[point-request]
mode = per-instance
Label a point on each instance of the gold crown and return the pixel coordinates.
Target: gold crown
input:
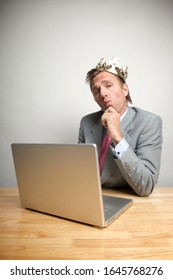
(113, 66)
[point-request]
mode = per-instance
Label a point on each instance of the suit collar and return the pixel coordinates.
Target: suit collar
(126, 122)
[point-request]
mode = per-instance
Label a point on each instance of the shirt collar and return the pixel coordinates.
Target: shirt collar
(123, 115)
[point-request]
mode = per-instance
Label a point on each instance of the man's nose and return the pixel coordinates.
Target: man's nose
(103, 92)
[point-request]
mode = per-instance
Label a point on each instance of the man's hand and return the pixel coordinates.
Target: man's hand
(111, 120)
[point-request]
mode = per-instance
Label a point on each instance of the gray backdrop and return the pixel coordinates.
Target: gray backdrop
(46, 48)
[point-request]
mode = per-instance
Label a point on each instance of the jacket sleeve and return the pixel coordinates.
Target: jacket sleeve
(140, 168)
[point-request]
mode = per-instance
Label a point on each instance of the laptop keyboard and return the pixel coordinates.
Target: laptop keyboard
(107, 207)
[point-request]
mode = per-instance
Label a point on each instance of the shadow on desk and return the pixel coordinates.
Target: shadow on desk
(125, 191)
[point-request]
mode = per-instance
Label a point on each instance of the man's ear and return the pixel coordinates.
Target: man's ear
(125, 89)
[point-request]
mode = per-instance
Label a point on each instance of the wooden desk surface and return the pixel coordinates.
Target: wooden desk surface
(144, 231)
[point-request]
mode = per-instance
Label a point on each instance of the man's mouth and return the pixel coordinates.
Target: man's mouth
(106, 102)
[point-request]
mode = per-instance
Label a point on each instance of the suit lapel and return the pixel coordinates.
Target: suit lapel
(96, 132)
(126, 124)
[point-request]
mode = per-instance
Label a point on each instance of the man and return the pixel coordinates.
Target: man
(132, 154)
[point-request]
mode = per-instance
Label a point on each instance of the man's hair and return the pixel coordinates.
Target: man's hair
(94, 72)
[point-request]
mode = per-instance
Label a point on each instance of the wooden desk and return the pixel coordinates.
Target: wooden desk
(144, 231)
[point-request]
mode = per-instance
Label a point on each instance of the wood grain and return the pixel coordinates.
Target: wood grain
(144, 231)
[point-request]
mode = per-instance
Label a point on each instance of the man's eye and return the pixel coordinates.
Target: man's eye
(96, 91)
(108, 85)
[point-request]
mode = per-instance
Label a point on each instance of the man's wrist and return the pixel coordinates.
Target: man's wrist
(120, 148)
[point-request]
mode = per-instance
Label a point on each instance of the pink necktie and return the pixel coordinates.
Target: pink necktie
(104, 150)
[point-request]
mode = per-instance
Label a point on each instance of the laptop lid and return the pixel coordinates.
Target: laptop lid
(62, 180)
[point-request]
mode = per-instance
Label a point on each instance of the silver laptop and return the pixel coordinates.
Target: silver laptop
(64, 180)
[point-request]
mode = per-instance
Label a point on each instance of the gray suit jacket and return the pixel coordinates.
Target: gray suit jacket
(139, 166)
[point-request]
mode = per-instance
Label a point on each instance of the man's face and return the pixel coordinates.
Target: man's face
(108, 91)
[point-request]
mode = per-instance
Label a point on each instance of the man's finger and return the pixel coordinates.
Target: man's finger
(110, 110)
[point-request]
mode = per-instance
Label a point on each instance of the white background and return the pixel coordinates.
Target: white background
(104, 269)
(46, 49)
